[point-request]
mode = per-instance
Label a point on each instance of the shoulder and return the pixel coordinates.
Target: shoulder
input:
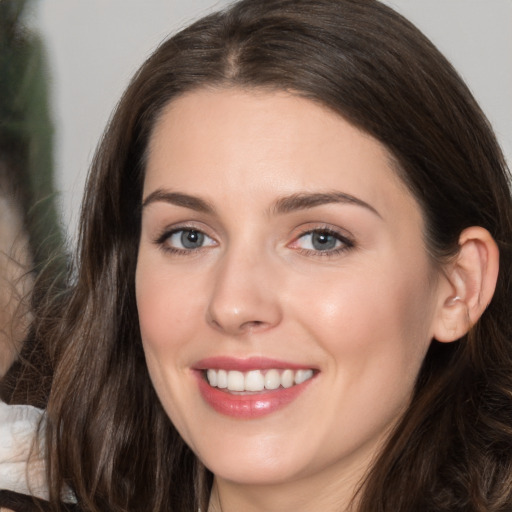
(15, 502)
(23, 485)
(21, 461)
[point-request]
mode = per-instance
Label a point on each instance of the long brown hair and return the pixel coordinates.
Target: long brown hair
(107, 434)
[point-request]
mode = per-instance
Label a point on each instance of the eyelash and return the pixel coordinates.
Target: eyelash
(162, 240)
(346, 243)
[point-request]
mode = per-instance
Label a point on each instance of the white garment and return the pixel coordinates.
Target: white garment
(21, 457)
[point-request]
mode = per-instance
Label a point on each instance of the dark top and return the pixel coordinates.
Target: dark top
(24, 503)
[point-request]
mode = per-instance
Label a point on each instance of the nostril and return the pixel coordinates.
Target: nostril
(252, 325)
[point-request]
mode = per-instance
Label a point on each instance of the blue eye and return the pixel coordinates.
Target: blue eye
(190, 239)
(186, 240)
(322, 240)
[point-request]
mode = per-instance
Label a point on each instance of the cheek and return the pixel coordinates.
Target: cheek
(168, 319)
(168, 306)
(380, 319)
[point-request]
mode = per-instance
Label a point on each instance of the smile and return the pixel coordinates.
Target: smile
(251, 388)
(256, 380)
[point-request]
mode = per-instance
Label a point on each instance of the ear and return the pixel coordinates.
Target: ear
(468, 284)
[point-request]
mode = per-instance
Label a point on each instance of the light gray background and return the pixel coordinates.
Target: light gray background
(94, 46)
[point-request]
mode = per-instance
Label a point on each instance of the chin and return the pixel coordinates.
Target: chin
(256, 461)
(258, 473)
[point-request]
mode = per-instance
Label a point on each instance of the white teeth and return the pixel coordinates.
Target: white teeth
(212, 377)
(222, 379)
(236, 381)
(256, 380)
(272, 379)
(287, 379)
(302, 376)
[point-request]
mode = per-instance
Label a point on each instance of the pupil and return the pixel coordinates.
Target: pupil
(191, 239)
(323, 241)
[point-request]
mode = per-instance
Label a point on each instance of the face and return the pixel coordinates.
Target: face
(285, 295)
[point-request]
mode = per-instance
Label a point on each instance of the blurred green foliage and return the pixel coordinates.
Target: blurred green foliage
(26, 175)
(26, 130)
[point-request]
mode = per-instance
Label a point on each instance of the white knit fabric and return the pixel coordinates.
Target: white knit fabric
(21, 461)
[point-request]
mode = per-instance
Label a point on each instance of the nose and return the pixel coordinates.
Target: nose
(245, 295)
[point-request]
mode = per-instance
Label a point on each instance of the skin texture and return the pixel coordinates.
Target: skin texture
(362, 317)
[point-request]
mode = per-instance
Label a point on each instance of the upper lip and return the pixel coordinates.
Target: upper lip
(247, 364)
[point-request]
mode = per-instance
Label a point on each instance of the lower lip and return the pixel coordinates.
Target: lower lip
(249, 406)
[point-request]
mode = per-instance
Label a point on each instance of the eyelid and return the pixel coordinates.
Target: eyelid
(161, 239)
(347, 240)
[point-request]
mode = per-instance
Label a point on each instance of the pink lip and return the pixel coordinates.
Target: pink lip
(251, 405)
(245, 365)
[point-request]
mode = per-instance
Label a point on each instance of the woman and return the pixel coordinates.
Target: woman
(288, 294)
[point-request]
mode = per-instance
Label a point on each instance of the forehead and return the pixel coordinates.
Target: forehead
(229, 141)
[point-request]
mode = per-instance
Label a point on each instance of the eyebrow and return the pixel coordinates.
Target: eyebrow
(179, 199)
(283, 205)
(305, 200)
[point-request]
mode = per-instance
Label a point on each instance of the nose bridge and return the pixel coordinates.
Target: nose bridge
(243, 297)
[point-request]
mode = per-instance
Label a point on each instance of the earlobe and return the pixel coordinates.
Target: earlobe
(470, 281)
